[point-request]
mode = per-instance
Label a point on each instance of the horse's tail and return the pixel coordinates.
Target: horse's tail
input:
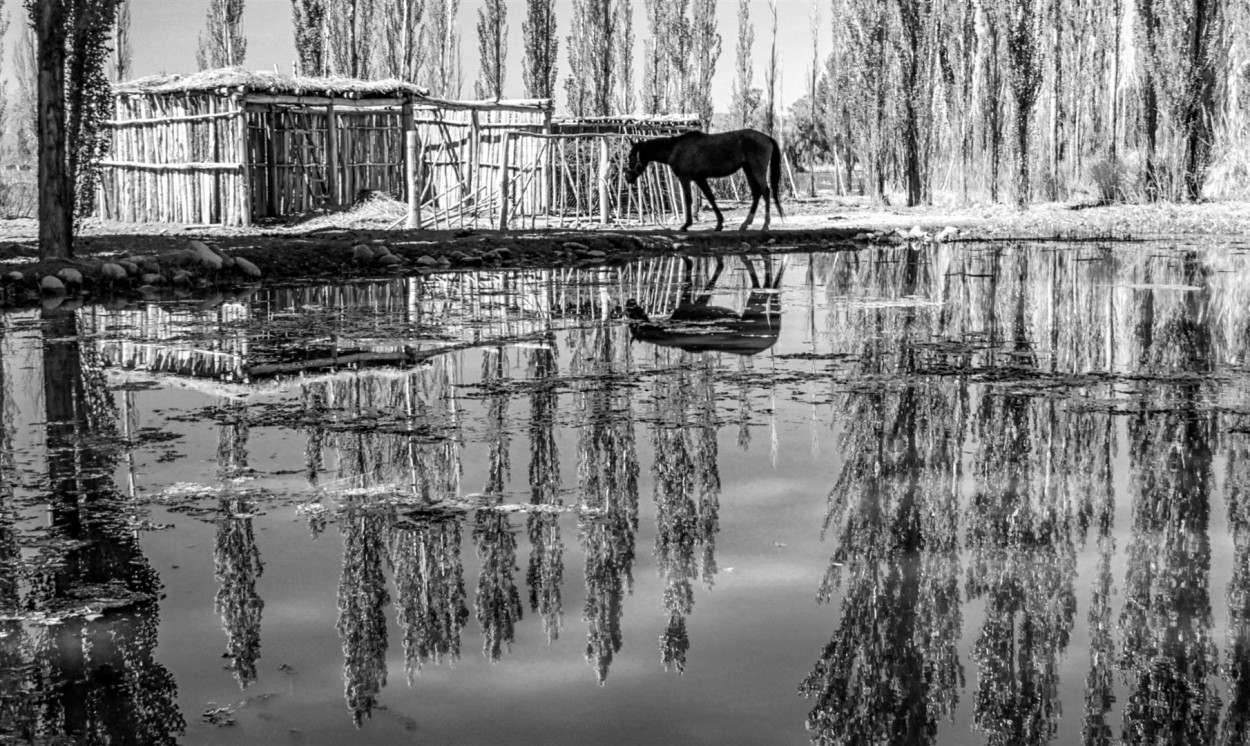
(774, 176)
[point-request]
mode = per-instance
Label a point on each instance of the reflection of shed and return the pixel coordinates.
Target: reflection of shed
(229, 145)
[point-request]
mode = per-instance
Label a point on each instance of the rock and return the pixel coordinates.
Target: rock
(246, 267)
(150, 267)
(745, 246)
(209, 259)
(574, 246)
(595, 254)
(15, 276)
(381, 251)
(149, 289)
(444, 261)
(949, 231)
(861, 237)
(183, 258)
(362, 253)
(152, 278)
(425, 260)
(113, 271)
(182, 277)
(70, 276)
(390, 260)
(131, 268)
(50, 284)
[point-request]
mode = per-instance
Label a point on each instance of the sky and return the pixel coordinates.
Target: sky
(165, 34)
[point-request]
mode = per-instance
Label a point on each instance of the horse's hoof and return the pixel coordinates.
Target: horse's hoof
(683, 228)
(720, 227)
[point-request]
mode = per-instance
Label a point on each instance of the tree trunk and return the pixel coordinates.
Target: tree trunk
(1150, 117)
(56, 216)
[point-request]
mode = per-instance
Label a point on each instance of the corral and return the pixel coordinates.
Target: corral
(231, 146)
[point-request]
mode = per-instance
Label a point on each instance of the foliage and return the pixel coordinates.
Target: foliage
(492, 40)
(441, 42)
(538, 71)
(120, 68)
(741, 107)
(398, 46)
(309, 24)
(594, 51)
(222, 43)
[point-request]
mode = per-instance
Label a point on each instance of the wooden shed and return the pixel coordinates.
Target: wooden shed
(231, 145)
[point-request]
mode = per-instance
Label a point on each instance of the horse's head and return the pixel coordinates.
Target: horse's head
(636, 163)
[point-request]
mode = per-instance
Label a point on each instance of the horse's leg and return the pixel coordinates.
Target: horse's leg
(755, 198)
(755, 279)
(685, 198)
(707, 192)
(706, 294)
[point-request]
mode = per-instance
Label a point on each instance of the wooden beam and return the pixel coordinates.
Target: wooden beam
(505, 139)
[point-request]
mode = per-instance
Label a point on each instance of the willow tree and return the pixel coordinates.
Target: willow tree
(538, 68)
(222, 43)
(74, 98)
(492, 41)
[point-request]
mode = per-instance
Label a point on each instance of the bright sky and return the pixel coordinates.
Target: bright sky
(166, 31)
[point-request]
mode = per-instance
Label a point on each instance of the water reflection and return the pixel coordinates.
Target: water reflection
(1019, 541)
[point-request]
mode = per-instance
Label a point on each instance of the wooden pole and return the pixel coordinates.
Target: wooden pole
(245, 175)
(504, 139)
(603, 180)
(332, 155)
(414, 195)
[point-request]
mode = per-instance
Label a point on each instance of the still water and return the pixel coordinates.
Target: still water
(954, 494)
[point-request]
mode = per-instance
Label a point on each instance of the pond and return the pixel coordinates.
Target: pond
(961, 493)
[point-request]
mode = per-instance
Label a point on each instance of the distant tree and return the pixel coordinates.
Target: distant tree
(350, 45)
(914, 47)
(492, 39)
(743, 73)
(222, 43)
(541, 47)
(443, 74)
(655, 71)
(25, 102)
(593, 52)
(400, 54)
(626, 98)
(119, 68)
(770, 74)
(990, 32)
(4, 83)
(309, 21)
(707, 47)
(1024, 64)
(74, 99)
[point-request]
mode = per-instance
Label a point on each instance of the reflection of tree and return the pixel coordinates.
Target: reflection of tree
(607, 467)
(1235, 728)
(1099, 681)
(429, 590)
(237, 566)
(362, 600)
(1023, 553)
(687, 495)
(497, 600)
(90, 681)
(1168, 652)
(891, 671)
(232, 440)
(546, 565)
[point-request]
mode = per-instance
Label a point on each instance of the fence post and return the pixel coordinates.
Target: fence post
(505, 138)
(603, 179)
(413, 163)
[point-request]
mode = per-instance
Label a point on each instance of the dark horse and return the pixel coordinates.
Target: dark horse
(697, 157)
(697, 326)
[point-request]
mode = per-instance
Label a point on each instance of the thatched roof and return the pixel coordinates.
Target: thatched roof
(239, 80)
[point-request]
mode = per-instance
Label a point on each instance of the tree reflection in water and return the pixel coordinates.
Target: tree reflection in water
(362, 600)
(545, 574)
(90, 680)
(1168, 653)
(498, 602)
(607, 468)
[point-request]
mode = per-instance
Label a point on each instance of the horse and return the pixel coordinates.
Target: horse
(697, 157)
(697, 326)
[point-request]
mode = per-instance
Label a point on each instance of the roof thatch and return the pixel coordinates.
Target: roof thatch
(239, 80)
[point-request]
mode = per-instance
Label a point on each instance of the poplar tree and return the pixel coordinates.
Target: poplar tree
(1024, 64)
(349, 41)
(593, 53)
(309, 22)
(626, 98)
(222, 43)
(541, 46)
(655, 73)
(770, 75)
(706, 53)
(492, 39)
(401, 54)
(743, 72)
(443, 74)
(4, 83)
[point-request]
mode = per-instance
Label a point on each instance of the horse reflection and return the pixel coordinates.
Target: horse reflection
(697, 326)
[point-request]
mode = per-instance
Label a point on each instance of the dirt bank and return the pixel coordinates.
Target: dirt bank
(159, 259)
